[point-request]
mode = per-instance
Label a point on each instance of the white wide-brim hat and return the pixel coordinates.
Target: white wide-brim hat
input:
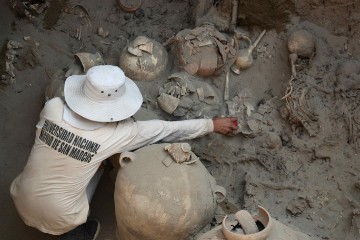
(104, 94)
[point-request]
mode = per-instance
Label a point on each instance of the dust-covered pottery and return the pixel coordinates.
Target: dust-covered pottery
(89, 60)
(143, 59)
(243, 226)
(159, 199)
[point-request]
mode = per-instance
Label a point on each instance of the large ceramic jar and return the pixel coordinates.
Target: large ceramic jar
(143, 59)
(157, 198)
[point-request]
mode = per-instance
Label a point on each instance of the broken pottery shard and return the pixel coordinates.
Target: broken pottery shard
(200, 92)
(189, 37)
(89, 60)
(168, 103)
(249, 108)
(222, 49)
(205, 43)
(180, 152)
(147, 47)
(135, 51)
(140, 40)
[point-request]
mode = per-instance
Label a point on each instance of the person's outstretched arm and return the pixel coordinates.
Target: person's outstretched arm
(152, 131)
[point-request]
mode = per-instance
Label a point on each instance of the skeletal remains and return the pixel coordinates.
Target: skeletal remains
(301, 44)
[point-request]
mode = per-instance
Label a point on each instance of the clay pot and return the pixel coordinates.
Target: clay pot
(143, 59)
(263, 217)
(203, 51)
(155, 200)
(244, 59)
(89, 60)
(129, 5)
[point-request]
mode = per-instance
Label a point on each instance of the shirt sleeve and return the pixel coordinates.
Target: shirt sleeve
(153, 131)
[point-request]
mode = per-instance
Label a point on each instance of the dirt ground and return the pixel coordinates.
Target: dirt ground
(300, 160)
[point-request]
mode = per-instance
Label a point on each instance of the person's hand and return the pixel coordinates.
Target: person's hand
(225, 125)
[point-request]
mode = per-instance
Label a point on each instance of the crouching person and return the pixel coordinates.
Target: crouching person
(55, 188)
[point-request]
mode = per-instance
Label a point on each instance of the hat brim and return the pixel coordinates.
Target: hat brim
(126, 106)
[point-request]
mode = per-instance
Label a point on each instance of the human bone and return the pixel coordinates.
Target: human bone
(244, 59)
(226, 89)
(168, 201)
(302, 43)
(293, 57)
(143, 59)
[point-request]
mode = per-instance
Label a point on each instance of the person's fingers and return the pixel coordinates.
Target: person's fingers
(233, 119)
(233, 127)
(225, 125)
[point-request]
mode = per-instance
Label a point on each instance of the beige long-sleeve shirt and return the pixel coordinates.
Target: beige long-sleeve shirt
(50, 192)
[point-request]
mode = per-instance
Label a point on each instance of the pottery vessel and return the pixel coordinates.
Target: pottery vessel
(129, 5)
(143, 59)
(159, 199)
(245, 59)
(88, 60)
(267, 228)
(204, 51)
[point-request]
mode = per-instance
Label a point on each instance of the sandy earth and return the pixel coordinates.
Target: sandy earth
(308, 182)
